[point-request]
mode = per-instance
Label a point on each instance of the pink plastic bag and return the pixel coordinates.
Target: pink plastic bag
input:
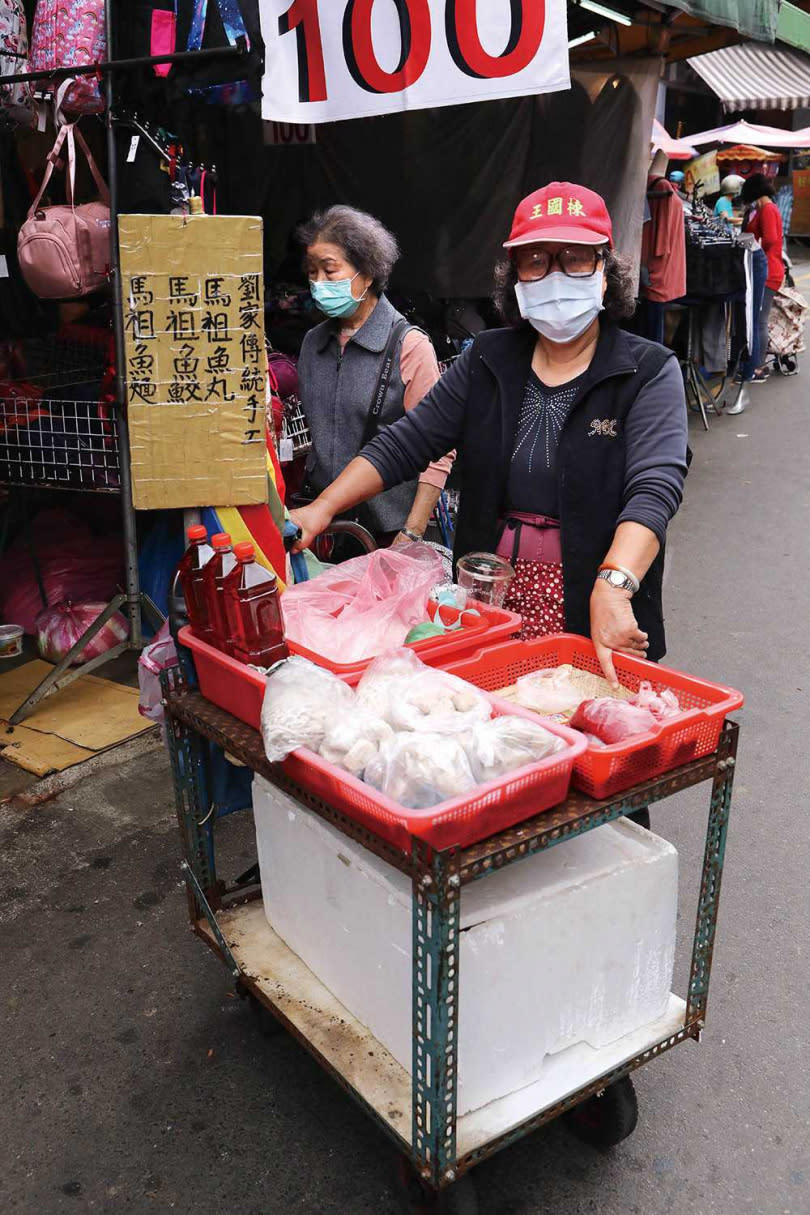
(156, 657)
(365, 606)
(73, 563)
(60, 627)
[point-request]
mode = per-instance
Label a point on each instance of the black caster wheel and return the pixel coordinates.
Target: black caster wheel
(418, 1198)
(607, 1119)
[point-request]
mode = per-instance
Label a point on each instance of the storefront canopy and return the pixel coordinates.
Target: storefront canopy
(753, 18)
(750, 133)
(675, 149)
(753, 77)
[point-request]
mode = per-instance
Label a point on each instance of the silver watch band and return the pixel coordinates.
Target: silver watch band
(617, 579)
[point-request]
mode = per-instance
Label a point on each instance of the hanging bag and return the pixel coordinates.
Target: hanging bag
(16, 100)
(71, 33)
(64, 251)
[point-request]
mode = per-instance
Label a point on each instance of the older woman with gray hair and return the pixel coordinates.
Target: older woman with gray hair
(363, 367)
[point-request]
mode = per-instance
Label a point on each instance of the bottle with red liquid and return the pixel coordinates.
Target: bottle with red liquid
(256, 633)
(191, 567)
(214, 575)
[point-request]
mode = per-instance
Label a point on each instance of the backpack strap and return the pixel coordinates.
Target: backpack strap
(398, 331)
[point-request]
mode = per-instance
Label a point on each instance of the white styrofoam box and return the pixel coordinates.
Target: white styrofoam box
(571, 945)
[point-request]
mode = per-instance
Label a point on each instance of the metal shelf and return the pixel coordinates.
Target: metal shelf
(421, 1113)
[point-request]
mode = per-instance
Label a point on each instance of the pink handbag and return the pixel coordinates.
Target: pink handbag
(64, 251)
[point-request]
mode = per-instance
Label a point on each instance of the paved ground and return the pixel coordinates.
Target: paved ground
(132, 1080)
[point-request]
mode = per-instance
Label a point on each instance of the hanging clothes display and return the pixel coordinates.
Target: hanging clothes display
(663, 244)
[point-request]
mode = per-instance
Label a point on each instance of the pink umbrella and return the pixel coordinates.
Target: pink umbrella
(675, 149)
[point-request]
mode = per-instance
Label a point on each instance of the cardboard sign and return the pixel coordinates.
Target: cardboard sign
(196, 363)
(702, 172)
(800, 216)
(327, 61)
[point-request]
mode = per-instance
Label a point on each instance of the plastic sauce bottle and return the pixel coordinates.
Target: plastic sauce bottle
(256, 633)
(214, 575)
(190, 569)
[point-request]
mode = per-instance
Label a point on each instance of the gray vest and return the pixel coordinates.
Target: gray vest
(336, 394)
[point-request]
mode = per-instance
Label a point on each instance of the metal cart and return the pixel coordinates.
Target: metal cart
(437, 1148)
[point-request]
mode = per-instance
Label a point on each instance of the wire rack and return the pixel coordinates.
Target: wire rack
(58, 444)
(54, 433)
(294, 426)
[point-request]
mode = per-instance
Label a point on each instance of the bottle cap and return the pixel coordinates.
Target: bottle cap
(243, 551)
(198, 532)
(221, 540)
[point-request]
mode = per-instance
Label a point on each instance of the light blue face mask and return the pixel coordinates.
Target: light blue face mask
(335, 298)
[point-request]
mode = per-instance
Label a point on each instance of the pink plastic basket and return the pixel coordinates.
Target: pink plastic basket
(465, 820)
(604, 771)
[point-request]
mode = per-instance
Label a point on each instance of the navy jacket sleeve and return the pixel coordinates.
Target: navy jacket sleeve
(402, 451)
(656, 433)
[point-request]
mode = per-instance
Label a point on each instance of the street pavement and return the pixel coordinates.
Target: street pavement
(133, 1080)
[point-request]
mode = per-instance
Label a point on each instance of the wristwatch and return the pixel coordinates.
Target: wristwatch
(618, 578)
(406, 531)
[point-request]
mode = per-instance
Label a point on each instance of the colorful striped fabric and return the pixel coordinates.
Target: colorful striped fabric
(260, 525)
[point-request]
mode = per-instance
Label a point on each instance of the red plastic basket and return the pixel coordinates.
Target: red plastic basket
(496, 624)
(464, 820)
(604, 771)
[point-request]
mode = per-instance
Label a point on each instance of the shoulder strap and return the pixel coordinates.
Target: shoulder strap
(53, 160)
(398, 331)
(232, 20)
(101, 184)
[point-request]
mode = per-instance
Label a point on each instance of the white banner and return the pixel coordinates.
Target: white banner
(333, 59)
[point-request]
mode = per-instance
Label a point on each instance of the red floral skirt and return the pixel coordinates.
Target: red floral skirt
(536, 591)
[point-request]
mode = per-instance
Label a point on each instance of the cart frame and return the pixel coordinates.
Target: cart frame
(437, 878)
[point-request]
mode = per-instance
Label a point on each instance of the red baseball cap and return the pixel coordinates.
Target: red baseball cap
(561, 211)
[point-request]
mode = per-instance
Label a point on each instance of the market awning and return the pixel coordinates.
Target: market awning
(749, 132)
(753, 18)
(754, 77)
(675, 149)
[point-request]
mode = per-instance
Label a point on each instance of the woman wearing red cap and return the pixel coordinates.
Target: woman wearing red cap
(572, 436)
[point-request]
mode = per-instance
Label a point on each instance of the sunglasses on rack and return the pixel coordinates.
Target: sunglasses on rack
(576, 261)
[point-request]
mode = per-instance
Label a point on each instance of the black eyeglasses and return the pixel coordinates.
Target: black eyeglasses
(577, 261)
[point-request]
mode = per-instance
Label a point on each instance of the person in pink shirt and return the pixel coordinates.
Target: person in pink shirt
(364, 367)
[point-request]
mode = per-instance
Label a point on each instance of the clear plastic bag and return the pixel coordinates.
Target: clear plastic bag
(353, 741)
(421, 770)
(661, 704)
(154, 658)
(301, 701)
(363, 607)
(411, 696)
(505, 743)
(548, 691)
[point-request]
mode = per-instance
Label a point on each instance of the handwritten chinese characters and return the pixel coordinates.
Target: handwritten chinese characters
(195, 359)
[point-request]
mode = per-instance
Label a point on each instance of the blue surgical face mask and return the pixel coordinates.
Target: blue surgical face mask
(335, 298)
(561, 307)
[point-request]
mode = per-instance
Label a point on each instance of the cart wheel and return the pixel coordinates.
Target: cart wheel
(607, 1119)
(267, 1025)
(418, 1198)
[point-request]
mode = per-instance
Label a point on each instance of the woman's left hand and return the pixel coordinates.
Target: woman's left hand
(614, 627)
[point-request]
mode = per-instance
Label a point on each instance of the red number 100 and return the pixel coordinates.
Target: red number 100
(463, 40)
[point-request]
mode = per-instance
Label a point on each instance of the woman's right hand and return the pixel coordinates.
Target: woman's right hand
(312, 519)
